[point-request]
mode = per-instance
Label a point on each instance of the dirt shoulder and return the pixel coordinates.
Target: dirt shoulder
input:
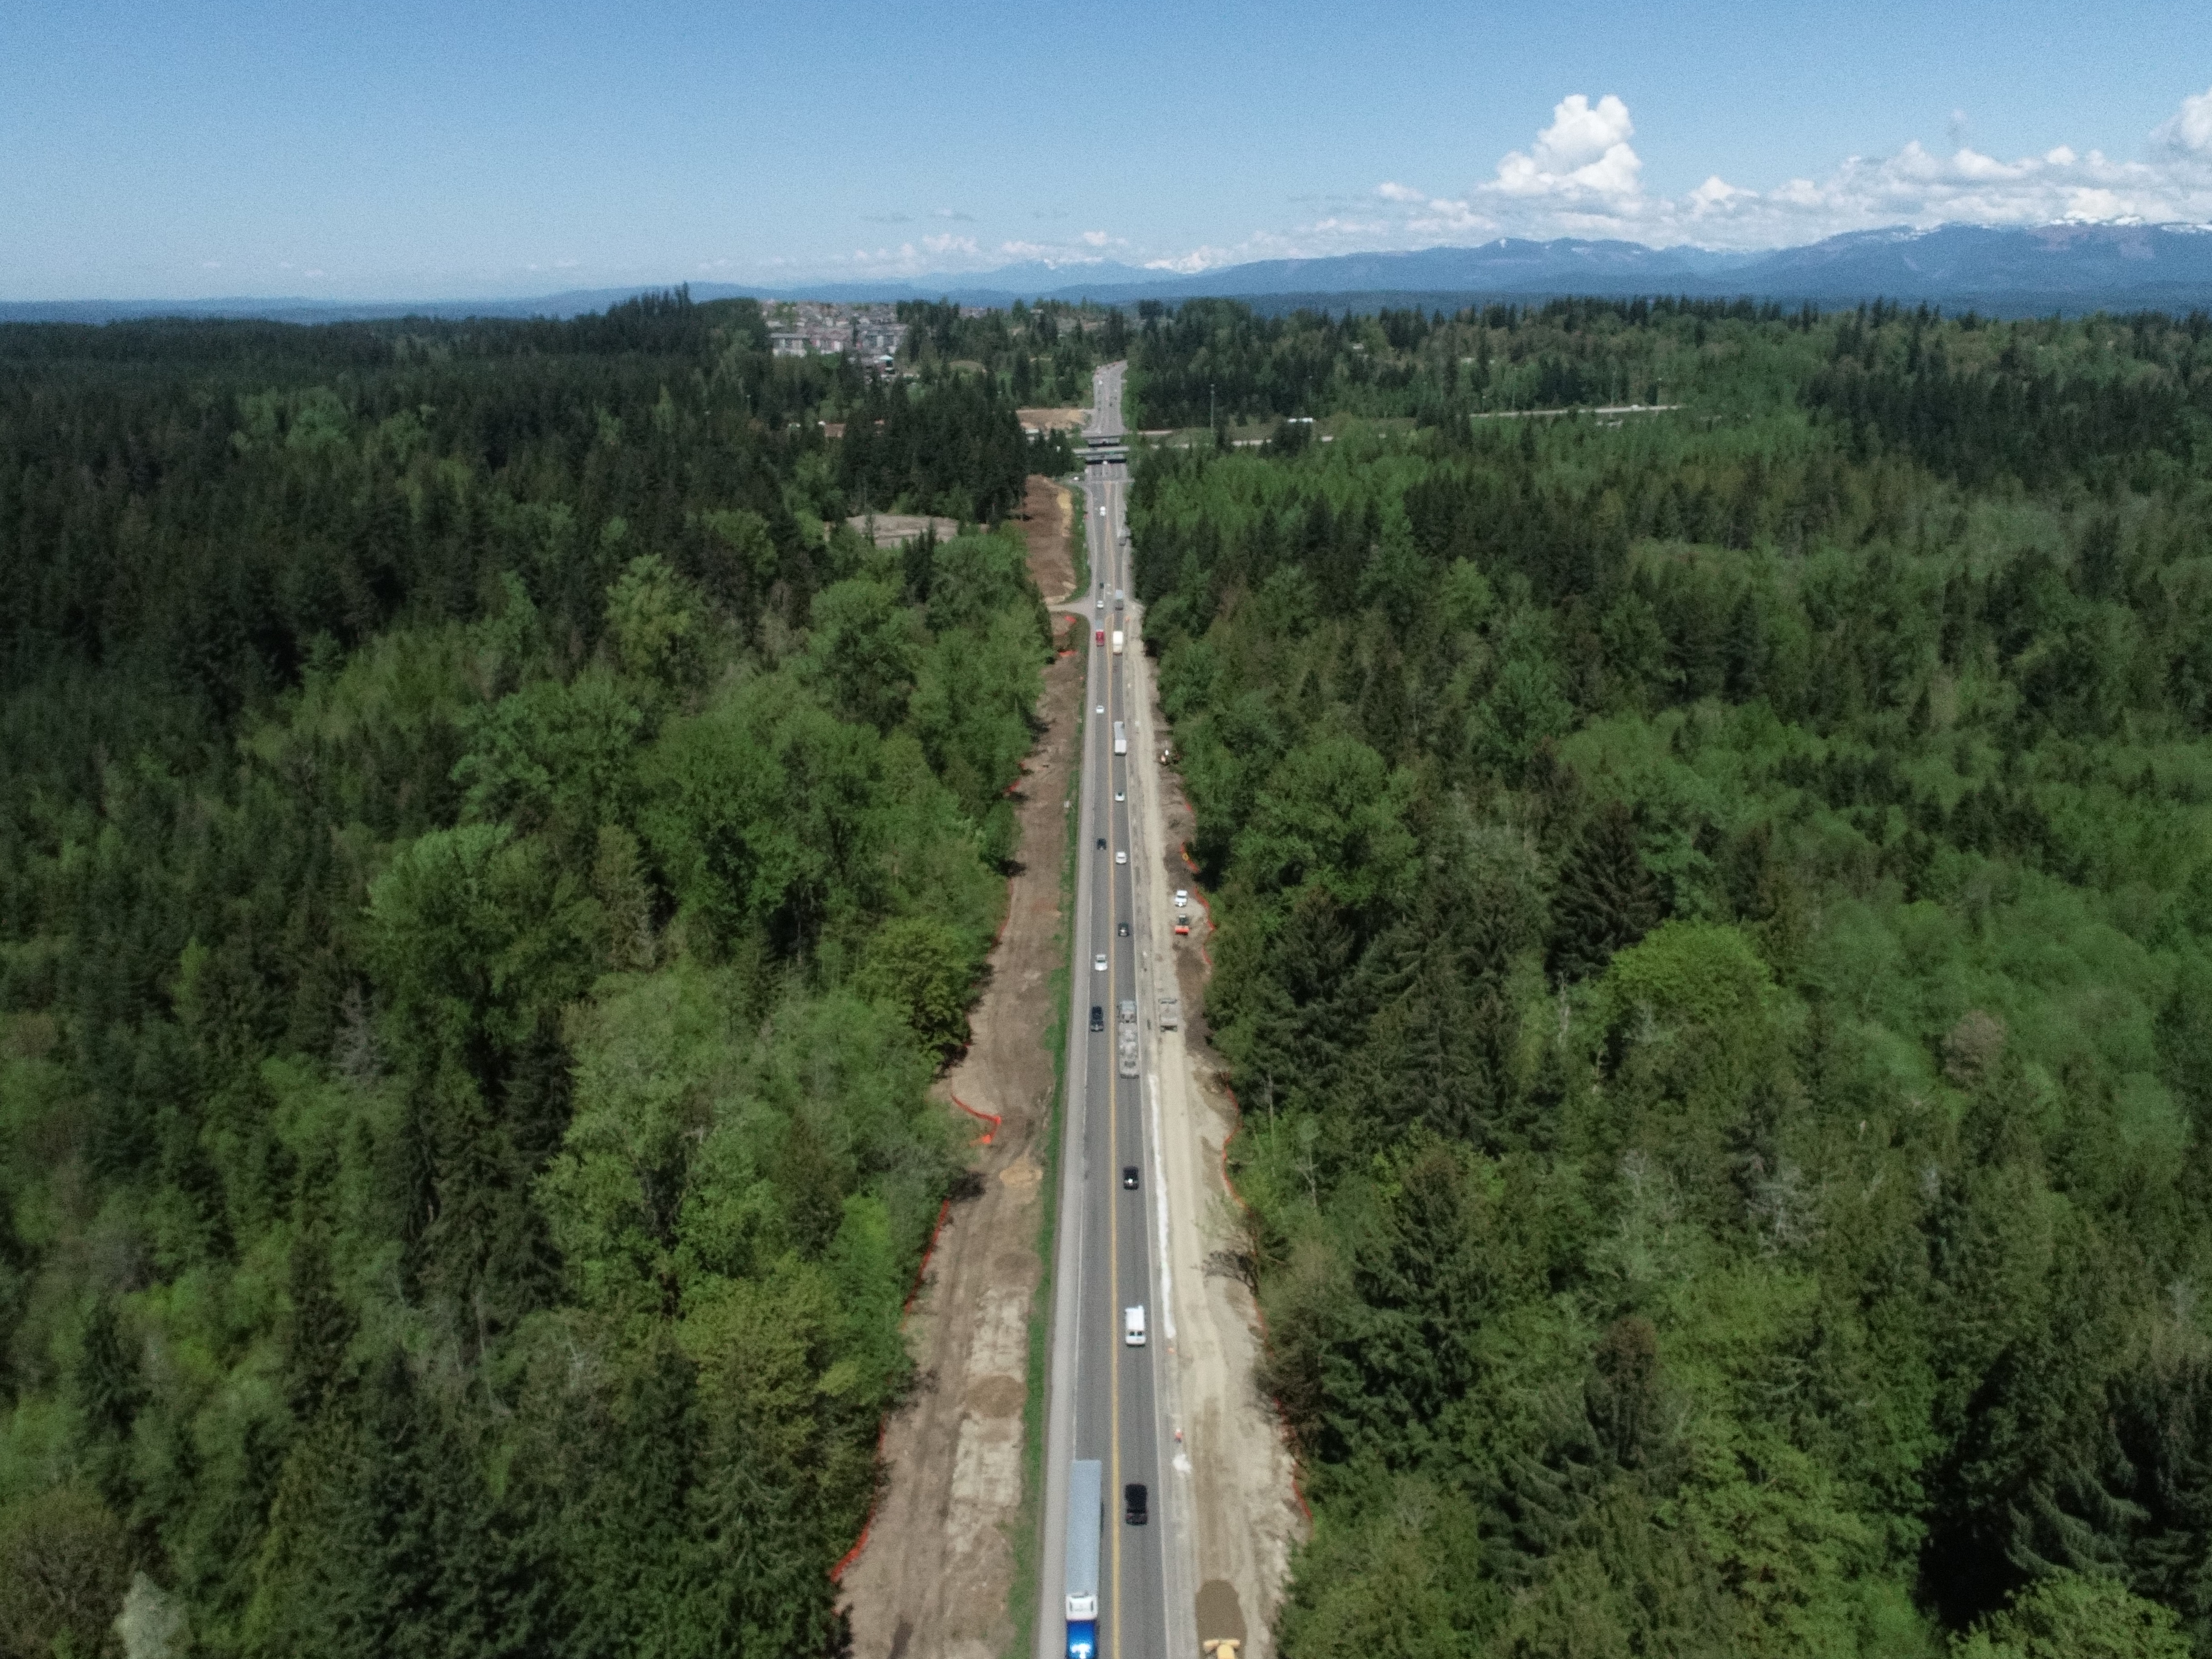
(1236, 1478)
(1047, 520)
(934, 1577)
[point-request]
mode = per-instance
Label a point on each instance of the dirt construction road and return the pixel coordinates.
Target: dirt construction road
(934, 1578)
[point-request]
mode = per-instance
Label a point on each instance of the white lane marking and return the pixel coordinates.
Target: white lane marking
(1160, 1196)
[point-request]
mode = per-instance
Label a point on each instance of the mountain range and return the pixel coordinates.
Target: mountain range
(2030, 271)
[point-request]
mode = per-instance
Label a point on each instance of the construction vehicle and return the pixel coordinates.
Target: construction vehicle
(1126, 1038)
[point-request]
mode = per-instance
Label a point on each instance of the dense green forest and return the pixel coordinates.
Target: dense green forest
(1218, 355)
(1715, 961)
(1040, 355)
(488, 863)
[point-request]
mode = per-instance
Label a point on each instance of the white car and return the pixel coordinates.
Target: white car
(1133, 1327)
(1102, 707)
(1120, 795)
(1098, 962)
(1182, 898)
(1120, 855)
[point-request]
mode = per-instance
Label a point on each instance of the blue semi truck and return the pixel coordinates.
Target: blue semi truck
(1086, 1519)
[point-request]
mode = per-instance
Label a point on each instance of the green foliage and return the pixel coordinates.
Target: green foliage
(1712, 940)
(64, 1564)
(2070, 1616)
(484, 889)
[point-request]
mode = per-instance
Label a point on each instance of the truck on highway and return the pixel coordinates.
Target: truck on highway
(1121, 736)
(1086, 1516)
(1117, 641)
(1125, 1039)
(1171, 1013)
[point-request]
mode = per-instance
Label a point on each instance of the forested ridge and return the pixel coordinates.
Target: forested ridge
(1715, 963)
(488, 864)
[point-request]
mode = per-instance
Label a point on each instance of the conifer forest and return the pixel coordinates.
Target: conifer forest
(1707, 810)
(1715, 963)
(488, 863)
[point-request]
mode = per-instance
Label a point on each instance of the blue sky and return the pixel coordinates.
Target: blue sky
(199, 148)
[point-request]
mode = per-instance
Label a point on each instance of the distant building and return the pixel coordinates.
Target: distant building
(812, 328)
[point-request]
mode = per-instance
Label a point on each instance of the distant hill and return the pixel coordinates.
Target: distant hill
(2016, 271)
(2071, 267)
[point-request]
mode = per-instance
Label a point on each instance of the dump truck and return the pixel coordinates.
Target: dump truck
(1125, 1040)
(1171, 1013)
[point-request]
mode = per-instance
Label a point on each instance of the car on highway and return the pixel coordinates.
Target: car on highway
(1102, 843)
(1133, 1327)
(1122, 930)
(1102, 602)
(1097, 1017)
(1120, 855)
(1128, 1177)
(1135, 1508)
(1120, 794)
(1182, 898)
(1098, 962)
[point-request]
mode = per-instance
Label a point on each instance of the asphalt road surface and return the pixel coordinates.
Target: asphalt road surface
(1102, 1397)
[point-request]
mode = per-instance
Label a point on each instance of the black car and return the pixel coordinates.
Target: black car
(1097, 1017)
(1129, 1178)
(1122, 929)
(1102, 843)
(1133, 1501)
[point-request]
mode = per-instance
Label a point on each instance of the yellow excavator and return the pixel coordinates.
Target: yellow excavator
(1222, 1647)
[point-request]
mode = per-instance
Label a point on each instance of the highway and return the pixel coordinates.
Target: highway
(1103, 1395)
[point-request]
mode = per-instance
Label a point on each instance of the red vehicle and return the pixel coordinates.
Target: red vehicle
(1099, 637)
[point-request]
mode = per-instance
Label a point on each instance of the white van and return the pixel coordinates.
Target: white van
(1133, 1327)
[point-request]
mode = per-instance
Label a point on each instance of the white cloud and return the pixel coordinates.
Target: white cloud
(2188, 131)
(1583, 153)
(1198, 259)
(1095, 239)
(1582, 178)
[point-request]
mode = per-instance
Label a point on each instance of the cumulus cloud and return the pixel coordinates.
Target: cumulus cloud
(1584, 152)
(2188, 131)
(1582, 177)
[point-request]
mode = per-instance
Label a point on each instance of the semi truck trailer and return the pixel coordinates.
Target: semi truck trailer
(1086, 1517)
